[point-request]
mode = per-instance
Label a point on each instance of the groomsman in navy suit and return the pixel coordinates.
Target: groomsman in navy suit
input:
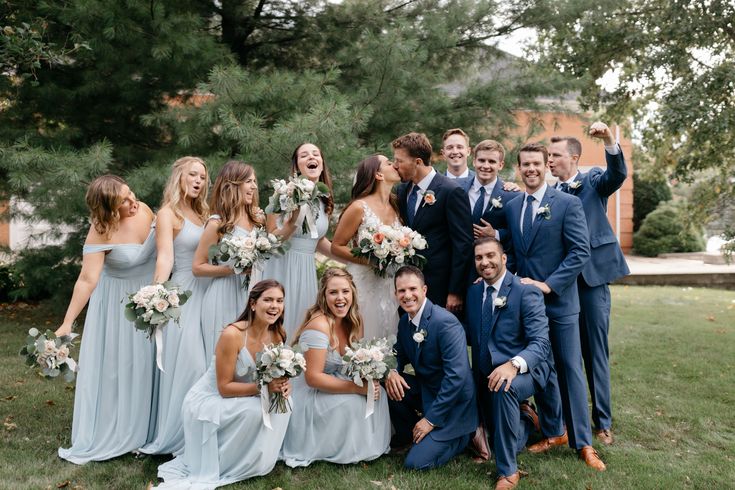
(550, 245)
(456, 151)
(434, 410)
(509, 333)
(606, 263)
(436, 207)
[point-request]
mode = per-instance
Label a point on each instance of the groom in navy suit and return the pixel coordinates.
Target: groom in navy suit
(606, 263)
(550, 245)
(435, 410)
(436, 207)
(509, 333)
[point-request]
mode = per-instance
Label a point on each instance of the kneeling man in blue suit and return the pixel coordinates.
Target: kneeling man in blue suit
(434, 410)
(509, 333)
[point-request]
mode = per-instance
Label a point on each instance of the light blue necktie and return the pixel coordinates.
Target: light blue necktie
(528, 219)
(479, 205)
(411, 204)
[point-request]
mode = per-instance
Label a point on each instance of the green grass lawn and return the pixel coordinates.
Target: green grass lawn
(673, 370)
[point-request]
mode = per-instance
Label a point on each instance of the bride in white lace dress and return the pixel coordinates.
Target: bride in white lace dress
(372, 203)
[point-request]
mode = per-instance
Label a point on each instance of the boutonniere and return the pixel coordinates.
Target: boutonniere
(575, 185)
(429, 198)
(497, 202)
(544, 211)
(419, 336)
(500, 302)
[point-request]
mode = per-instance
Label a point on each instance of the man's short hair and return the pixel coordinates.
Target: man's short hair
(574, 147)
(408, 270)
(533, 148)
(416, 144)
(450, 132)
(488, 239)
(490, 145)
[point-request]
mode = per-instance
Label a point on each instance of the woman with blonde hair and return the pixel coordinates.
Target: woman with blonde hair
(114, 388)
(235, 211)
(296, 269)
(179, 226)
(328, 423)
(226, 440)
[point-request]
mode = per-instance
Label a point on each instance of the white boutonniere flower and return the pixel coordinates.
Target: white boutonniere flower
(419, 336)
(497, 202)
(500, 302)
(575, 185)
(544, 211)
(429, 198)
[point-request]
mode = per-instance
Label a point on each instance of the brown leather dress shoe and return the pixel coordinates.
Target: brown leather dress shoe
(545, 444)
(591, 458)
(531, 413)
(508, 482)
(604, 436)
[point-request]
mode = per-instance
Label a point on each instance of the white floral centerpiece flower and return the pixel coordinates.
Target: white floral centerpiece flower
(419, 336)
(367, 361)
(500, 301)
(242, 252)
(301, 195)
(50, 354)
(544, 211)
(273, 362)
(497, 202)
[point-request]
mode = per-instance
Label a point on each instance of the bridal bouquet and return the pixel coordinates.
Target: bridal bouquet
(273, 362)
(370, 361)
(298, 193)
(389, 247)
(242, 252)
(50, 353)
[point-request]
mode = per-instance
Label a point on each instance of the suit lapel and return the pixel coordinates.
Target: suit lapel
(578, 178)
(539, 219)
(495, 194)
(433, 186)
(504, 292)
(424, 325)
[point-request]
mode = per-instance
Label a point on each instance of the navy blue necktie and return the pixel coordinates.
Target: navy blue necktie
(486, 321)
(564, 187)
(479, 206)
(528, 219)
(411, 204)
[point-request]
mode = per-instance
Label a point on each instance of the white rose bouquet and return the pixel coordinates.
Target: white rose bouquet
(370, 361)
(297, 194)
(150, 309)
(390, 247)
(50, 353)
(273, 362)
(242, 252)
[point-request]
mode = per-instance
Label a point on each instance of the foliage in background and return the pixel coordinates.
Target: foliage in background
(667, 230)
(128, 87)
(648, 191)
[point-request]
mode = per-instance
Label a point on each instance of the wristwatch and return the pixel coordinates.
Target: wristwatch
(516, 364)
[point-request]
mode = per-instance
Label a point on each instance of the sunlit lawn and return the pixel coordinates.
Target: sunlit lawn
(673, 369)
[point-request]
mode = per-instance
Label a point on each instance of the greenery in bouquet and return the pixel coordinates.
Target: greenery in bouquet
(298, 194)
(278, 361)
(241, 252)
(369, 359)
(153, 306)
(51, 354)
(389, 247)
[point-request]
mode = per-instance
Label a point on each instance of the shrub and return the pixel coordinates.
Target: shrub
(8, 281)
(648, 192)
(667, 229)
(44, 273)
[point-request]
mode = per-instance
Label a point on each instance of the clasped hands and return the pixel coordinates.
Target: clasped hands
(280, 385)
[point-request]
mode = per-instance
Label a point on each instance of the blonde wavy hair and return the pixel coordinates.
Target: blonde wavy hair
(353, 318)
(227, 198)
(104, 197)
(175, 192)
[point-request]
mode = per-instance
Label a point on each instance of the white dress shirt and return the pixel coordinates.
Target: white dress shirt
(416, 320)
(537, 196)
(423, 186)
(463, 175)
(497, 284)
(474, 192)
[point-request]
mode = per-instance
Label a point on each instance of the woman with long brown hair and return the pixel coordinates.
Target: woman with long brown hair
(296, 269)
(226, 440)
(373, 204)
(114, 388)
(235, 209)
(179, 226)
(328, 423)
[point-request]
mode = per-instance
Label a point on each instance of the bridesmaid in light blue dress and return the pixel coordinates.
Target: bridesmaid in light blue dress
(235, 211)
(226, 440)
(296, 269)
(179, 225)
(328, 423)
(114, 389)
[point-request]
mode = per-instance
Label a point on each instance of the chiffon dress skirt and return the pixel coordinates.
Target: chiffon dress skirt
(226, 440)
(183, 348)
(114, 388)
(223, 302)
(296, 270)
(332, 426)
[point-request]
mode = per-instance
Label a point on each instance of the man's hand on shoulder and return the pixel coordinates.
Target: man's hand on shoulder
(395, 385)
(511, 187)
(454, 303)
(541, 285)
